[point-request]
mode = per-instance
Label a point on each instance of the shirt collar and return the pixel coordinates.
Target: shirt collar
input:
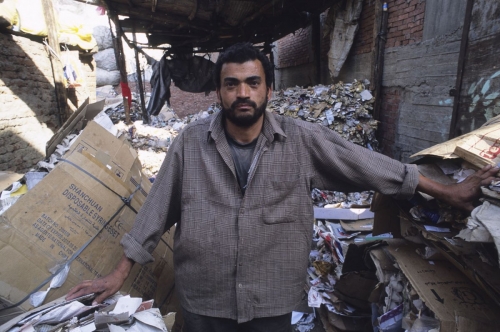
(270, 129)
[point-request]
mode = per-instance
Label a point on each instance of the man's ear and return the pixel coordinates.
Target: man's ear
(269, 93)
(217, 91)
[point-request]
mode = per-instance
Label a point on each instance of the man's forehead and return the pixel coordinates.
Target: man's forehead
(248, 68)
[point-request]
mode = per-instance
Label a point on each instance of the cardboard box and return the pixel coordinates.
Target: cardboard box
(72, 204)
(457, 302)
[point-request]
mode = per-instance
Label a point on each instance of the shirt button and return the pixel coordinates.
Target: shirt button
(242, 210)
(240, 286)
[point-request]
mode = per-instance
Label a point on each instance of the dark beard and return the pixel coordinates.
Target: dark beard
(244, 121)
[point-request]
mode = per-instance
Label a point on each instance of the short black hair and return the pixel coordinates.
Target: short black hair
(240, 53)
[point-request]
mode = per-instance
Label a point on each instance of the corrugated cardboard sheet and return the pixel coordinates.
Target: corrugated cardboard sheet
(81, 197)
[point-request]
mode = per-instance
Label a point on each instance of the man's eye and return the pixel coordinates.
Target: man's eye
(254, 83)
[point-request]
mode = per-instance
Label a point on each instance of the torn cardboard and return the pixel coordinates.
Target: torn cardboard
(445, 290)
(479, 147)
(481, 150)
(73, 203)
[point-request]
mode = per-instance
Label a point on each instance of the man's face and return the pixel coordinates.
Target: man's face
(243, 93)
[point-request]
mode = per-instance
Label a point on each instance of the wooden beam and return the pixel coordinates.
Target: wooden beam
(145, 115)
(379, 63)
(258, 12)
(159, 18)
(120, 59)
(57, 66)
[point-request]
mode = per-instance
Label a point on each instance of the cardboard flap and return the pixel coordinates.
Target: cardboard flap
(447, 149)
(74, 121)
(481, 150)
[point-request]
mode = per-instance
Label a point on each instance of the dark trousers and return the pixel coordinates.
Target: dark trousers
(199, 323)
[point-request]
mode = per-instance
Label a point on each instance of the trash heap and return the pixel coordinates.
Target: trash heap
(343, 107)
(152, 140)
(116, 314)
(337, 199)
(440, 272)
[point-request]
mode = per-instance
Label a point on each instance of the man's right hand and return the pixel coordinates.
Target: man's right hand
(106, 286)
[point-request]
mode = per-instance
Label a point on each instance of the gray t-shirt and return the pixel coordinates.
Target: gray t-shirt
(242, 158)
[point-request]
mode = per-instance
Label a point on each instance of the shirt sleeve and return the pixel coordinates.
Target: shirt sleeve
(344, 166)
(160, 211)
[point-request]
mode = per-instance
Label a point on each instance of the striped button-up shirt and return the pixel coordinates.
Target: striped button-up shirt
(245, 256)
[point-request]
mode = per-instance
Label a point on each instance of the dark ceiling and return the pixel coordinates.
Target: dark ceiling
(211, 25)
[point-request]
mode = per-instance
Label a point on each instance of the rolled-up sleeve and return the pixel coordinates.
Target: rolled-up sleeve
(161, 209)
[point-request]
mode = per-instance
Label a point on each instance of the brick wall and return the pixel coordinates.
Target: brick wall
(28, 106)
(405, 22)
(27, 102)
(294, 49)
(363, 41)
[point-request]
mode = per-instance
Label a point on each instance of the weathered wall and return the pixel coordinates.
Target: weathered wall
(419, 71)
(419, 75)
(421, 58)
(480, 93)
(28, 106)
(359, 62)
(424, 73)
(294, 58)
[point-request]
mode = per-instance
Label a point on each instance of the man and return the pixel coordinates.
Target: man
(238, 186)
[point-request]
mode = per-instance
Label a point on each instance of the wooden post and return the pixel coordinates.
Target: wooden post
(454, 129)
(120, 59)
(57, 67)
(145, 115)
(316, 45)
(378, 69)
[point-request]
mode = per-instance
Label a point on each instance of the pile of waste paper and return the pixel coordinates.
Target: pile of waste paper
(337, 199)
(438, 270)
(152, 140)
(343, 107)
(116, 314)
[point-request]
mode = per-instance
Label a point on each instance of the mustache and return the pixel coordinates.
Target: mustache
(243, 102)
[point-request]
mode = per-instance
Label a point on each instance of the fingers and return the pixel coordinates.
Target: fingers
(79, 290)
(487, 171)
(487, 174)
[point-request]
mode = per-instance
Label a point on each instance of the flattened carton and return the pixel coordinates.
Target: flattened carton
(81, 203)
(458, 303)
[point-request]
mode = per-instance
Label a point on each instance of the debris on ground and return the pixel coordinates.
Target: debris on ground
(116, 314)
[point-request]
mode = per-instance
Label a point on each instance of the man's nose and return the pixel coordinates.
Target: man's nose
(243, 91)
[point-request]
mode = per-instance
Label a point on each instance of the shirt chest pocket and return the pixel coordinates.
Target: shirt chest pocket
(282, 200)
